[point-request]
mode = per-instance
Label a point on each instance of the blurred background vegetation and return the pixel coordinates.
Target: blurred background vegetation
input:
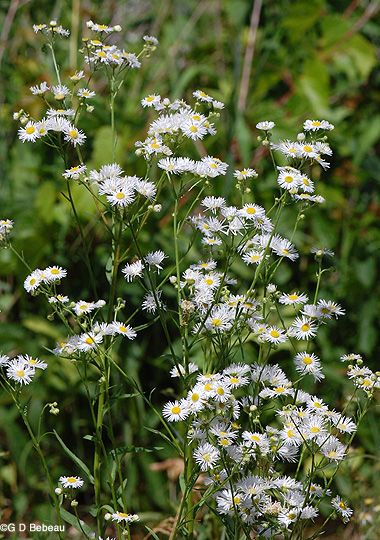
(283, 60)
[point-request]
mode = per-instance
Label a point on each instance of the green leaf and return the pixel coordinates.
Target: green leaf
(41, 326)
(152, 533)
(73, 521)
(75, 458)
(314, 83)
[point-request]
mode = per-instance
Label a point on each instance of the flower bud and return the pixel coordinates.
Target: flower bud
(74, 503)
(107, 516)
(301, 137)
(58, 491)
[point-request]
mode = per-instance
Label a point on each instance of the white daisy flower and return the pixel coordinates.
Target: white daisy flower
(89, 341)
(309, 363)
(200, 95)
(4, 360)
(60, 92)
(33, 281)
(293, 298)
(175, 411)
(252, 211)
(206, 456)
(193, 130)
(120, 196)
(19, 371)
(155, 258)
(41, 89)
(151, 100)
(122, 517)
(123, 329)
(133, 270)
(34, 363)
(29, 132)
(316, 125)
(303, 328)
(71, 482)
(266, 125)
(245, 173)
(274, 335)
(85, 93)
(74, 135)
(342, 509)
(54, 273)
(74, 172)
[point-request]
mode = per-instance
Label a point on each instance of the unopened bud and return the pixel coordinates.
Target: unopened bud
(58, 491)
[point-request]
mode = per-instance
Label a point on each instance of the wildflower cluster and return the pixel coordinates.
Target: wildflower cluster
(261, 451)
(21, 369)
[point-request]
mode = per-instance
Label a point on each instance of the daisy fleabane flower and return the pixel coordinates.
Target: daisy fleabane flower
(342, 509)
(74, 172)
(122, 517)
(20, 371)
(71, 482)
(123, 329)
(206, 456)
(293, 298)
(155, 258)
(245, 173)
(133, 270)
(175, 411)
(266, 125)
(315, 125)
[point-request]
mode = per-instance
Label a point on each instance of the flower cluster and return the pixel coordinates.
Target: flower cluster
(22, 368)
(38, 278)
(229, 453)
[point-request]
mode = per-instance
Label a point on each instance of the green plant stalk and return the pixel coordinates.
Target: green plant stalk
(38, 449)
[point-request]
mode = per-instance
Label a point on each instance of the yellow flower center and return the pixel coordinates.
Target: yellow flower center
(120, 195)
(293, 296)
(315, 429)
(216, 322)
(220, 391)
(195, 398)
(176, 409)
(274, 333)
(89, 340)
(73, 133)
(71, 480)
(305, 327)
(316, 123)
(288, 179)
(307, 148)
(307, 360)
(20, 373)
(194, 129)
(29, 130)
(251, 210)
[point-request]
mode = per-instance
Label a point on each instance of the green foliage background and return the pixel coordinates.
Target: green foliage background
(314, 58)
